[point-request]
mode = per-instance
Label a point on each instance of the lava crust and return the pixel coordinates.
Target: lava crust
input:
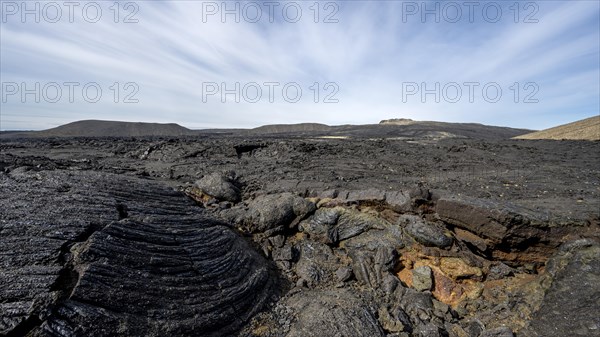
(88, 254)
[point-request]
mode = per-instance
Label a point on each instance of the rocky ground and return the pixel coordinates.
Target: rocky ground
(299, 235)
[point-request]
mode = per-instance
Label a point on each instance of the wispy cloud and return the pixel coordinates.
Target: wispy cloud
(175, 48)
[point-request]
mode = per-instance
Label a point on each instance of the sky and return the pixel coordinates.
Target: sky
(224, 64)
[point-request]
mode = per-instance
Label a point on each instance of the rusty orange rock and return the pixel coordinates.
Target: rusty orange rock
(446, 290)
(405, 275)
(457, 268)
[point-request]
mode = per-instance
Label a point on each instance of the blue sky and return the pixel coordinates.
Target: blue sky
(362, 61)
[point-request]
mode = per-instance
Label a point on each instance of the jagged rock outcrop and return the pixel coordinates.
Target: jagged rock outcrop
(573, 294)
(104, 255)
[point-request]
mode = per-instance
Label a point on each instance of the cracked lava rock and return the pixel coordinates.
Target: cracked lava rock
(299, 236)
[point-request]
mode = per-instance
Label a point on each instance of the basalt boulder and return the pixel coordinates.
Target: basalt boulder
(332, 225)
(424, 232)
(273, 212)
(221, 186)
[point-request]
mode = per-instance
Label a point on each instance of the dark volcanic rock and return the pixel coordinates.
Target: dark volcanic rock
(373, 268)
(104, 253)
(332, 313)
(425, 232)
(421, 310)
(397, 200)
(240, 149)
(498, 332)
(422, 278)
(374, 254)
(572, 303)
(505, 224)
(331, 225)
(483, 217)
(220, 186)
(120, 256)
(317, 263)
(343, 274)
(321, 225)
(271, 211)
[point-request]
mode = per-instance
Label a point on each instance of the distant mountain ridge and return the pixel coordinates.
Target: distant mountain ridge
(394, 128)
(585, 129)
(284, 128)
(101, 128)
(400, 128)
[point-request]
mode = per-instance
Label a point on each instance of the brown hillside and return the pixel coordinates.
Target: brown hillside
(587, 129)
